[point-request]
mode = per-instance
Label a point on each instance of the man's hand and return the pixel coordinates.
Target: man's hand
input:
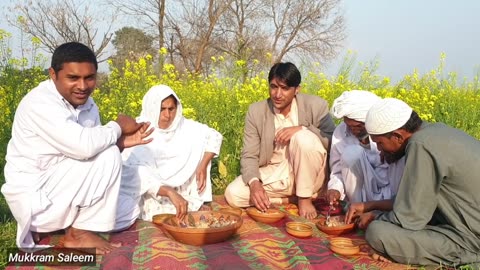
(365, 219)
(127, 124)
(354, 210)
(284, 135)
(258, 196)
(333, 196)
(136, 138)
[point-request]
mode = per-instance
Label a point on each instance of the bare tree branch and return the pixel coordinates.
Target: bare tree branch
(55, 22)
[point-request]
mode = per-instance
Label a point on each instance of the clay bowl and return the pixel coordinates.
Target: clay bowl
(299, 229)
(270, 216)
(344, 246)
(202, 227)
(334, 230)
(231, 210)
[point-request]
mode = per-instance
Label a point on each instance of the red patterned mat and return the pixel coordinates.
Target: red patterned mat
(254, 246)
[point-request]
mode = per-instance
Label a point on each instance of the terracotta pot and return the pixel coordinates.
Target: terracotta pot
(189, 232)
(270, 216)
(336, 230)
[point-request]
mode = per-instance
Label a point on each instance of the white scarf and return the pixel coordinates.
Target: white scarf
(176, 151)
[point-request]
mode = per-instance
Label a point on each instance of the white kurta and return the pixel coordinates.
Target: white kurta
(357, 171)
(171, 159)
(63, 167)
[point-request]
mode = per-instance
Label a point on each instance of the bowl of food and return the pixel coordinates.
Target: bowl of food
(202, 227)
(335, 225)
(299, 229)
(344, 246)
(272, 215)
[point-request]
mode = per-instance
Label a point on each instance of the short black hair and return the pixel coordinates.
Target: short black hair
(72, 52)
(413, 123)
(286, 72)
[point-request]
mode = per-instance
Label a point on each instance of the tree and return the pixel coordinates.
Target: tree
(311, 27)
(54, 22)
(132, 44)
(201, 23)
(151, 13)
(246, 31)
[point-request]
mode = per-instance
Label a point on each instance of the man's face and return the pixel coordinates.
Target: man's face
(75, 81)
(168, 111)
(390, 145)
(356, 127)
(282, 95)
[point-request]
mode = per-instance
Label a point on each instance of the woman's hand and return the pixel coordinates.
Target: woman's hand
(201, 171)
(181, 205)
(201, 177)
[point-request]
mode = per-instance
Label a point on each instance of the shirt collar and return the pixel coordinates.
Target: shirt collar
(53, 89)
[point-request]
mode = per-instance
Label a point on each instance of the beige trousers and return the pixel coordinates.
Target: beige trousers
(307, 159)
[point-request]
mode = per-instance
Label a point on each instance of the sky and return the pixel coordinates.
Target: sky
(403, 35)
(411, 34)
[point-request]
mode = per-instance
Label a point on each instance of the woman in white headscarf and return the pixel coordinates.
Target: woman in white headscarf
(172, 173)
(358, 170)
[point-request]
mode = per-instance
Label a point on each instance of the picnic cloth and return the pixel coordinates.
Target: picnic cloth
(254, 246)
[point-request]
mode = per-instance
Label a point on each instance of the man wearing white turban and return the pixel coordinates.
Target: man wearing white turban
(435, 216)
(172, 173)
(358, 171)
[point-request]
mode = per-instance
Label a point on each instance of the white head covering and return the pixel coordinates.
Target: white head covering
(152, 102)
(353, 104)
(175, 152)
(387, 115)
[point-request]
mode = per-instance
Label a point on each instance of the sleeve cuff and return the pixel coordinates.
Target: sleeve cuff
(116, 127)
(253, 179)
(153, 190)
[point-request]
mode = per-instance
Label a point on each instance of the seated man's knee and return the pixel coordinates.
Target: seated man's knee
(304, 139)
(377, 233)
(230, 195)
(351, 155)
(110, 157)
(237, 194)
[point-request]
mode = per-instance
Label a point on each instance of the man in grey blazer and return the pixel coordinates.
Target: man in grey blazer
(285, 146)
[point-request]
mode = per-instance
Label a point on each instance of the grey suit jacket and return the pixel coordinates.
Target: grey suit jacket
(259, 131)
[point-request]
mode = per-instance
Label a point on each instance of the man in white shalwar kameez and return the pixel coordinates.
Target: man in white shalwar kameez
(359, 172)
(63, 167)
(172, 173)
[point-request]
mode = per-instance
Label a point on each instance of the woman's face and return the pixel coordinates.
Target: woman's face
(168, 110)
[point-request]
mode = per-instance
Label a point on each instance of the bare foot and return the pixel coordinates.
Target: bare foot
(76, 238)
(378, 257)
(306, 208)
